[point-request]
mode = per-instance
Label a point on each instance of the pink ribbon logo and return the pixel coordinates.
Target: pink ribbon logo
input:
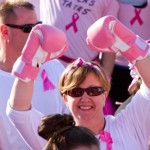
(106, 137)
(137, 17)
(75, 17)
(47, 84)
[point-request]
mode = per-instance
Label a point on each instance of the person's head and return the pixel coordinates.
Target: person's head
(62, 134)
(84, 75)
(14, 15)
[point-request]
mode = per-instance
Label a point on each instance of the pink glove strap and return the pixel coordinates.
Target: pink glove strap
(138, 51)
(33, 72)
(24, 71)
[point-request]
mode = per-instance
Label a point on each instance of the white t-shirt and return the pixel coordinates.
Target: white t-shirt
(47, 102)
(129, 130)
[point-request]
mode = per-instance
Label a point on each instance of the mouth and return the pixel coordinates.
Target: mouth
(86, 107)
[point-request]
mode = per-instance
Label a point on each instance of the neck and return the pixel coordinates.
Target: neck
(5, 68)
(6, 61)
(94, 125)
(5, 64)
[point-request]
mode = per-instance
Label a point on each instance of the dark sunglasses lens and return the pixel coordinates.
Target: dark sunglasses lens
(76, 92)
(94, 91)
(27, 29)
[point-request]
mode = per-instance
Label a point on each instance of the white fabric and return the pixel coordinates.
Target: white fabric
(48, 102)
(140, 25)
(12, 139)
(61, 14)
(36, 4)
(129, 130)
(4, 140)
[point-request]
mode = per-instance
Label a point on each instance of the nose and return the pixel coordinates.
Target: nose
(85, 97)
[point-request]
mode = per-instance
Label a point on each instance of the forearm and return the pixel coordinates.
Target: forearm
(144, 71)
(21, 95)
(108, 61)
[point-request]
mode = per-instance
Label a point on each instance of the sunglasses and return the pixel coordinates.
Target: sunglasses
(26, 28)
(91, 91)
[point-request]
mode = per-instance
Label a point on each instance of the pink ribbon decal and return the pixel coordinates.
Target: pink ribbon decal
(106, 137)
(47, 84)
(75, 17)
(137, 17)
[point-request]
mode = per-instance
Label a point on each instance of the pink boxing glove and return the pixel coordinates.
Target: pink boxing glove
(44, 43)
(110, 35)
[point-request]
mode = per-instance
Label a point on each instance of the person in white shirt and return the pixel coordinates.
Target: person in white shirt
(16, 21)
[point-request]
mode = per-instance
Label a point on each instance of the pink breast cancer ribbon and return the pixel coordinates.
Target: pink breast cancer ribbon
(47, 84)
(73, 24)
(106, 137)
(137, 17)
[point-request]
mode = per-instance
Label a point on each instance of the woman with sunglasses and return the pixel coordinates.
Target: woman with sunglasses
(84, 87)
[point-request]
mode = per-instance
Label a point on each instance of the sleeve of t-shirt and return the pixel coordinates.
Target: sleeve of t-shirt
(135, 116)
(26, 123)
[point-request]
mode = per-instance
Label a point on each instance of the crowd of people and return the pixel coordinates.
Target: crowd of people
(63, 69)
(12, 40)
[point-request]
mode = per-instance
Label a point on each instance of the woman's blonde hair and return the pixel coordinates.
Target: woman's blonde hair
(74, 75)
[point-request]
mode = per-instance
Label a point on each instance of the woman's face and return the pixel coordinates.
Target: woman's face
(86, 108)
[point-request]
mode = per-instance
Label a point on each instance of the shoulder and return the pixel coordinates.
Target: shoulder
(144, 91)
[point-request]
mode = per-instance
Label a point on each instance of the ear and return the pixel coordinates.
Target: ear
(105, 94)
(4, 31)
(65, 98)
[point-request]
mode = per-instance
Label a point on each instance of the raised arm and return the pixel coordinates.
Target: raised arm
(21, 95)
(44, 43)
(109, 35)
(143, 70)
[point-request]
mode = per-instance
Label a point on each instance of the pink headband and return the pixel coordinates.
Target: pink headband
(81, 62)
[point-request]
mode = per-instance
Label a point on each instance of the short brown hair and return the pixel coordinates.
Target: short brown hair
(7, 9)
(77, 75)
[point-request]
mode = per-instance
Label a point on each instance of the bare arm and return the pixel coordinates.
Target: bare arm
(21, 95)
(108, 61)
(36, 52)
(143, 67)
